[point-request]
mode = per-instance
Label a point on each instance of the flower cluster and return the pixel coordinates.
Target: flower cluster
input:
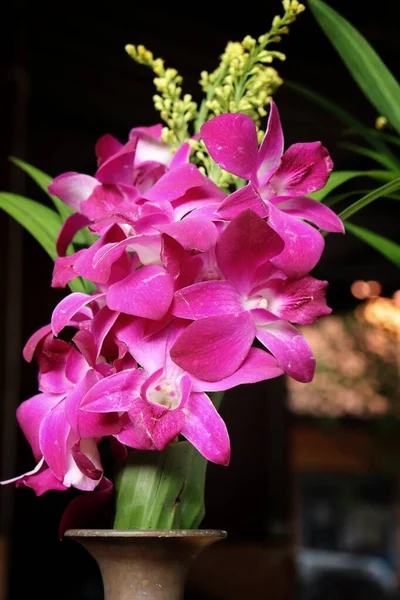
(187, 277)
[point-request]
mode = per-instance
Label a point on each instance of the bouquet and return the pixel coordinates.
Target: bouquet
(188, 254)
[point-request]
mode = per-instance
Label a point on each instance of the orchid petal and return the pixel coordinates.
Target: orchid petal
(247, 242)
(53, 436)
(106, 147)
(119, 167)
(181, 156)
(149, 351)
(115, 393)
(31, 345)
(193, 233)
(68, 307)
(175, 183)
(298, 301)
(205, 429)
(231, 140)
(73, 188)
(206, 299)
(304, 168)
(70, 227)
(303, 244)
(214, 348)
(147, 292)
(42, 482)
(245, 198)
(290, 348)
(30, 415)
(84, 469)
(257, 366)
(312, 211)
(271, 148)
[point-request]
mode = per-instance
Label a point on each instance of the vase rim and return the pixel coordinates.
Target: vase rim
(148, 533)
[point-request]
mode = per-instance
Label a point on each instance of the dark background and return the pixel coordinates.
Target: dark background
(65, 81)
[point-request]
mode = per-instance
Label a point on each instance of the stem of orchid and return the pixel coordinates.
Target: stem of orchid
(162, 490)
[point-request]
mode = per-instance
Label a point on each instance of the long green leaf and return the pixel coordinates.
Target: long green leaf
(43, 180)
(338, 178)
(42, 222)
(364, 64)
(384, 190)
(387, 247)
(345, 117)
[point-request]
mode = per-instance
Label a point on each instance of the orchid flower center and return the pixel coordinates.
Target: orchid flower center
(164, 392)
(210, 273)
(255, 302)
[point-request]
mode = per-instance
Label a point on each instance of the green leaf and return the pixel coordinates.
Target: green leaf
(41, 222)
(340, 177)
(83, 237)
(386, 247)
(384, 190)
(374, 155)
(364, 64)
(345, 117)
(43, 180)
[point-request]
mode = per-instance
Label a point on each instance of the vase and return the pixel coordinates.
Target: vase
(144, 564)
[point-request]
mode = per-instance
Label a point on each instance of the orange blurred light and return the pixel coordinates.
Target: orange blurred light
(360, 289)
(375, 288)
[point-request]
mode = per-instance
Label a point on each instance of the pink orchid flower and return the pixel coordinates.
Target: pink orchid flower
(254, 300)
(64, 439)
(170, 402)
(278, 184)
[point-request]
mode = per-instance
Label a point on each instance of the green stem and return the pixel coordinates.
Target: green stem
(162, 490)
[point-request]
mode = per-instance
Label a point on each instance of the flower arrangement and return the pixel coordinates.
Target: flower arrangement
(188, 255)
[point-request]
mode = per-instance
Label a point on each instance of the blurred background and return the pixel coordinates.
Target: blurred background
(310, 500)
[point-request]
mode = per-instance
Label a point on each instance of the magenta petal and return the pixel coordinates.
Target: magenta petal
(115, 393)
(298, 300)
(271, 148)
(245, 198)
(101, 325)
(231, 140)
(30, 415)
(257, 366)
(181, 156)
(313, 211)
(70, 227)
(175, 183)
(68, 307)
(290, 348)
(43, 482)
(147, 293)
(53, 436)
(247, 242)
(159, 423)
(303, 244)
(119, 167)
(193, 233)
(92, 510)
(172, 255)
(214, 348)
(304, 168)
(205, 429)
(35, 339)
(106, 147)
(206, 299)
(73, 188)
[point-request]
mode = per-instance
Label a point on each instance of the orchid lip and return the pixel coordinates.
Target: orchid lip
(255, 302)
(164, 392)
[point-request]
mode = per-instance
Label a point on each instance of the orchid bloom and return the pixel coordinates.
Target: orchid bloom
(64, 439)
(254, 300)
(169, 401)
(278, 184)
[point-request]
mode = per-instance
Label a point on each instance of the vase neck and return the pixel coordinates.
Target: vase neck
(145, 567)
